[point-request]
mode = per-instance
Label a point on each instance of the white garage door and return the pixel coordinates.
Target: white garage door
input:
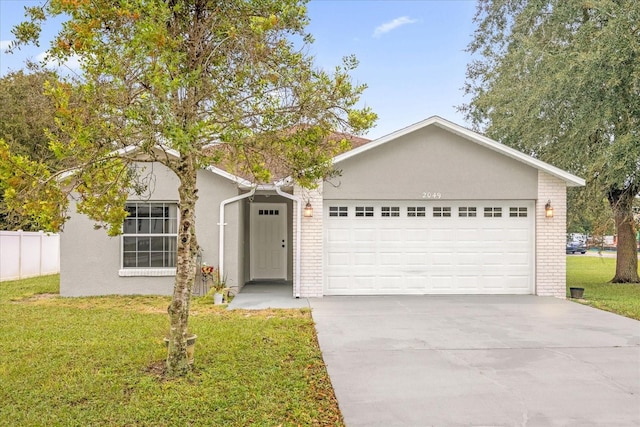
(428, 247)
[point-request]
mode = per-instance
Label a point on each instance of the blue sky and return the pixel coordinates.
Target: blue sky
(411, 53)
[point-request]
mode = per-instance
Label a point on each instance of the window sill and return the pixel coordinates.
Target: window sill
(149, 272)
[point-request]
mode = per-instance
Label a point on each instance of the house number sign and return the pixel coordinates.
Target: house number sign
(430, 195)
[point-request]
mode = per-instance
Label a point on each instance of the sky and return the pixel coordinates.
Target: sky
(412, 53)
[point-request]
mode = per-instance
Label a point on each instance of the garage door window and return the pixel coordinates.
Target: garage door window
(389, 211)
(364, 211)
(465, 212)
(415, 211)
(518, 212)
(493, 212)
(341, 211)
(441, 211)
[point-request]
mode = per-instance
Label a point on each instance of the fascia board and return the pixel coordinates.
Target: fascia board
(239, 180)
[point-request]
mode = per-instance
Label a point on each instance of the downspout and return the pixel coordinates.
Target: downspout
(222, 224)
(298, 200)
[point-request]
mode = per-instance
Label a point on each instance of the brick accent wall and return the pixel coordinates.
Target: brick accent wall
(311, 243)
(551, 260)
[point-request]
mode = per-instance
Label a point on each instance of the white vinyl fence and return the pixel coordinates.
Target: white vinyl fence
(28, 254)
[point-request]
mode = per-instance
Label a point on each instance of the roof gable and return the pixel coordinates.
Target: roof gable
(570, 179)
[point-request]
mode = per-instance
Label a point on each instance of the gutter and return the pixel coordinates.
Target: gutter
(298, 200)
(222, 224)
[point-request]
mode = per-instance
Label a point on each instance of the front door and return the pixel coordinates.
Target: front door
(268, 241)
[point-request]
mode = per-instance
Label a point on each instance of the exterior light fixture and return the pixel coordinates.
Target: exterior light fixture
(548, 210)
(308, 210)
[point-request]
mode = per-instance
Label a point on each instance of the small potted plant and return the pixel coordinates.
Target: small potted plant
(576, 293)
(218, 286)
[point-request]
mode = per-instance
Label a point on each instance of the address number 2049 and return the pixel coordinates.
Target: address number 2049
(430, 195)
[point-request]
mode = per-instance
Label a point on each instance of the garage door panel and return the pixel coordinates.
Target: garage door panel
(391, 237)
(468, 283)
(442, 237)
(364, 235)
(517, 284)
(338, 259)
(441, 282)
(494, 235)
(338, 283)
(442, 259)
(415, 235)
(389, 284)
(389, 259)
(421, 255)
(492, 258)
(365, 283)
(468, 235)
(338, 235)
(471, 259)
(519, 259)
(364, 259)
(519, 235)
(416, 282)
(415, 258)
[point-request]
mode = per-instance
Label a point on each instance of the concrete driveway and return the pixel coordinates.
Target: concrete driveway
(479, 361)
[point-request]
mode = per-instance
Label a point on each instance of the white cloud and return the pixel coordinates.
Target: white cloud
(392, 25)
(4, 44)
(72, 63)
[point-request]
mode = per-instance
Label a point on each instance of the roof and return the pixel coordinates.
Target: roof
(279, 170)
(570, 179)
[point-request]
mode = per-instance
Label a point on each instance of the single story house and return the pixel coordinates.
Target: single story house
(433, 208)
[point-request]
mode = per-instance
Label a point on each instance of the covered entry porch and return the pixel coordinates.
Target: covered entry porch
(259, 295)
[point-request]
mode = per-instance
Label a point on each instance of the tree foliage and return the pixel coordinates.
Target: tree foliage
(560, 80)
(218, 81)
(26, 114)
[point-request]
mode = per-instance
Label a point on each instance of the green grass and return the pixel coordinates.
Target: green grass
(594, 275)
(98, 361)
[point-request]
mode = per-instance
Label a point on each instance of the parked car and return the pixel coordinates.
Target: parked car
(573, 247)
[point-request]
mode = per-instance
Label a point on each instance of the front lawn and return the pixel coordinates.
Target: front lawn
(98, 361)
(593, 274)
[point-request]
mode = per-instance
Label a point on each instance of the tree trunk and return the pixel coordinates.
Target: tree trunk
(627, 252)
(177, 363)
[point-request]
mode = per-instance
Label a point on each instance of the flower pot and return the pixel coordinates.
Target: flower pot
(217, 298)
(191, 348)
(576, 292)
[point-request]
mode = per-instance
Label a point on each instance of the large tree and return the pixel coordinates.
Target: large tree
(225, 81)
(560, 80)
(26, 113)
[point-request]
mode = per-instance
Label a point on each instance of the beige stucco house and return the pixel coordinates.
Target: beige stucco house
(433, 208)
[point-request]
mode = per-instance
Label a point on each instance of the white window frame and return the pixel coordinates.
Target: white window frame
(518, 212)
(442, 212)
(467, 212)
(493, 212)
(390, 211)
(364, 211)
(416, 212)
(338, 211)
(149, 271)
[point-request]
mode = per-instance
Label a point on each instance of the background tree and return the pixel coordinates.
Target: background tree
(560, 80)
(215, 80)
(25, 115)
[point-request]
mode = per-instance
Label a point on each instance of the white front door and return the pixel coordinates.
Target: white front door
(268, 241)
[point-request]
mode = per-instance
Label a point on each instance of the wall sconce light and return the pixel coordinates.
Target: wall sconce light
(548, 210)
(308, 210)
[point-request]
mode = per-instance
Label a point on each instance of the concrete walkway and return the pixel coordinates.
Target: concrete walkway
(479, 361)
(262, 295)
